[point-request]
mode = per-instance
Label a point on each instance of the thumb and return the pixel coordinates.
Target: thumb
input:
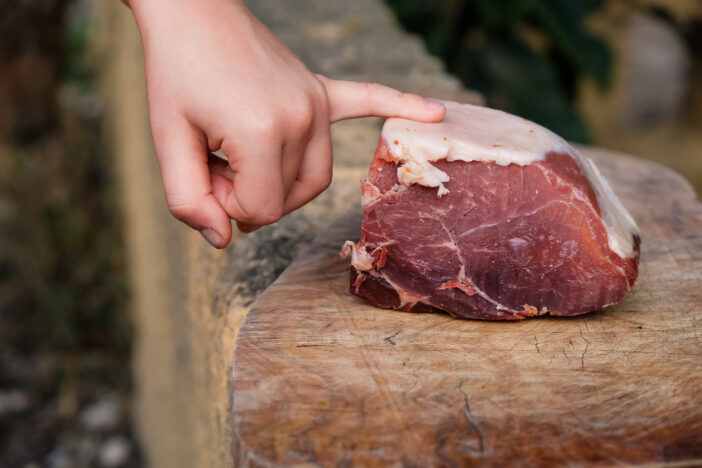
(348, 100)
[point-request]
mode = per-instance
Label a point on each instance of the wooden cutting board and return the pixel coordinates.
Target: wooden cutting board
(323, 379)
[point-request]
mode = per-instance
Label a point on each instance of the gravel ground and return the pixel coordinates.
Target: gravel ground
(64, 411)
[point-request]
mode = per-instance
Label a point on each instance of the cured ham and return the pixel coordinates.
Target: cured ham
(489, 216)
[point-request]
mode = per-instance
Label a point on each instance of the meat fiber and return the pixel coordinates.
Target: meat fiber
(489, 216)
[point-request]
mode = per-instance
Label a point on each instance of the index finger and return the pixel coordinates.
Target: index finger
(349, 100)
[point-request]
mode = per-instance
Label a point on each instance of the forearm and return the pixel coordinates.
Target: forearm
(150, 13)
(194, 34)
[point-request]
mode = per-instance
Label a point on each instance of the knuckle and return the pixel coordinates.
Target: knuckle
(376, 94)
(182, 211)
(269, 216)
(262, 213)
(323, 181)
(371, 89)
(319, 181)
(264, 127)
(303, 115)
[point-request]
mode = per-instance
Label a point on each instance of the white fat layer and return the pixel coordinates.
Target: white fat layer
(467, 133)
(619, 223)
(473, 133)
(360, 259)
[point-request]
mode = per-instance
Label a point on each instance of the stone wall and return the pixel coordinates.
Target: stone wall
(189, 300)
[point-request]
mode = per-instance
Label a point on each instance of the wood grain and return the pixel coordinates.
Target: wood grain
(323, 379)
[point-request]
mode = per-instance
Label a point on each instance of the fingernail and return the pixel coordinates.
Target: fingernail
(212, 237)
(434, 105)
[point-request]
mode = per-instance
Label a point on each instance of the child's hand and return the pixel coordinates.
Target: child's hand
(218, 79)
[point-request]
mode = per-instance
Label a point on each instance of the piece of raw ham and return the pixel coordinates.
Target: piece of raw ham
(487, 215)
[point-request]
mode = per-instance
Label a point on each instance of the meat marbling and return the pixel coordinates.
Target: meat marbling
(489, 216)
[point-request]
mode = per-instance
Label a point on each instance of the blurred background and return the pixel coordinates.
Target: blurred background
(622, 74)
(64, 332)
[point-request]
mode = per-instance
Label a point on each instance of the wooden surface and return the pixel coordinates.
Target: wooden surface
(322, 378)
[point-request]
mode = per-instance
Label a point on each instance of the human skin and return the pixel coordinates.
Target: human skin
(218, 79)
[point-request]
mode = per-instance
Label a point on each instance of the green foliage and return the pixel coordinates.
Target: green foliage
(76, 69)
(525, 56)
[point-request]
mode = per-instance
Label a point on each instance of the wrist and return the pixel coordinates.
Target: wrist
(152, 13)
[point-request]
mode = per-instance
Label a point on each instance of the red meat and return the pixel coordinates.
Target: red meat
(506, 242)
